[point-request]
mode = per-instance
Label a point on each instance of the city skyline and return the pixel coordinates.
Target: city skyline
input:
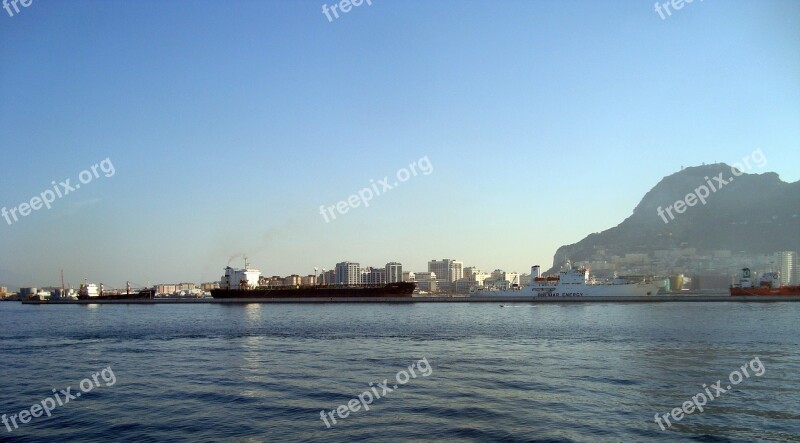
(718, 266)
(229, 142)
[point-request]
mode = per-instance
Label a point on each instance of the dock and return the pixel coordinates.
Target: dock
(437, 299)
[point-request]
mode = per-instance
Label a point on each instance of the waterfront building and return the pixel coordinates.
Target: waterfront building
(394, 272)
(796, 273)
(426, 281)
(292, 280)
(469, 271)
(447, 269)
(499, 275)
(165, 289)
(327, 277)
(373, 276)
(424, 276)
(206, 287)
(475, 275)
(275, 280)
(348, 273)
(786, 263)
(172, 288)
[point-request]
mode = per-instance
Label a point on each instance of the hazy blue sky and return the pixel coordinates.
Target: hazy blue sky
(229, 123)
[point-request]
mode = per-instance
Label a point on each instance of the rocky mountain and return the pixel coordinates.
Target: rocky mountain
(719, 208)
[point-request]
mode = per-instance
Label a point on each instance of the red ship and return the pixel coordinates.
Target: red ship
(768, 284)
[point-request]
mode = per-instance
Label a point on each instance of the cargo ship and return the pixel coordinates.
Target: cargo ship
(572, 283)
(768, 284)
(90, 291)
(240, 283)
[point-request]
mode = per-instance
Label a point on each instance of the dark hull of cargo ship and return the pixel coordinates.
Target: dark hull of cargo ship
(146, 294)
(389, 290)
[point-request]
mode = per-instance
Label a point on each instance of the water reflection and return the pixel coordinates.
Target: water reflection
(252, 313)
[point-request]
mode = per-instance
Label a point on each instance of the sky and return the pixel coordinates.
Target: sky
(229, 124)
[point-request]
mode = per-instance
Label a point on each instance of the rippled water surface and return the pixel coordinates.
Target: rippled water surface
(571, 372)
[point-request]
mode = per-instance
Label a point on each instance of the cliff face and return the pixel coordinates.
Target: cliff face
(756, 213)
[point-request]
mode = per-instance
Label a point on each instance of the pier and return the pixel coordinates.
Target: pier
(437, 299)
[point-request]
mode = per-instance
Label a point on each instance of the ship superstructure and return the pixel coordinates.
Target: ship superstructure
(573, 283)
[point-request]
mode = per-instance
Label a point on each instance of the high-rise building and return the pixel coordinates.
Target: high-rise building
(373, 276)
(348, 273)
(796, 273)
(786, 262)
(394, 272)
(447, 269)
(327, 277)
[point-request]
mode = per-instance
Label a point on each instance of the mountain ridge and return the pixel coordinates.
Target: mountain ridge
(755, 213)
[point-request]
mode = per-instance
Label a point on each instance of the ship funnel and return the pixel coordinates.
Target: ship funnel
(535, 271)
